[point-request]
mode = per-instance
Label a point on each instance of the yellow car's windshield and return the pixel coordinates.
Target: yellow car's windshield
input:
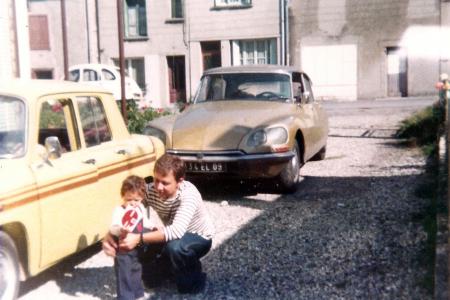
(12, 127)
(244, 86)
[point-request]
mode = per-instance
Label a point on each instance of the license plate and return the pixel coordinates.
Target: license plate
(206, 167)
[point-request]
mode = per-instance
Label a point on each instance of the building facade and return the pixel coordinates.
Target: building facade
(367, 49)
(351, 49)
(15, 50)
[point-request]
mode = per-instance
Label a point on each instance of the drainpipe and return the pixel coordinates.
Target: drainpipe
(87, 32)
(16, 40)
(286, 31)
(64, 37)
(121, 58)
(282, 33)
(97, 24)
(187, 43)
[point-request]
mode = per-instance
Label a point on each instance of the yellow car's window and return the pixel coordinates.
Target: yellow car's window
(93, 120)
(56, 118)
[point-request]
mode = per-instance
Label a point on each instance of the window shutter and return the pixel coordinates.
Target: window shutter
(38, 29)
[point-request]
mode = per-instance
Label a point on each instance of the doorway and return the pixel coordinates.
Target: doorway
(397, 72)
(177, 78)
(211, 55)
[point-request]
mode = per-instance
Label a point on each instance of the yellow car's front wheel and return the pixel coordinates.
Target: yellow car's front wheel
(9, 268)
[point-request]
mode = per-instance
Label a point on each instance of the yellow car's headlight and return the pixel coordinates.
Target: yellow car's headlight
(269, 136)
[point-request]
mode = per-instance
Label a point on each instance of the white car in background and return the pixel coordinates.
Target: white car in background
(108, 77)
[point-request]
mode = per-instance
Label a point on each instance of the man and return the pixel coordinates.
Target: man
(186, 236)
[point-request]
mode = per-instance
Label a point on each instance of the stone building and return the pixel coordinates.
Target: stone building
(351, 49)
(15, 50)
(368, 49)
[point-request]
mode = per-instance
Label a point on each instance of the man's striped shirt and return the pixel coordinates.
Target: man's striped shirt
(185, 212)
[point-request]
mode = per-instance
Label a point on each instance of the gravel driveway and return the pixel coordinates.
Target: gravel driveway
(347, 233)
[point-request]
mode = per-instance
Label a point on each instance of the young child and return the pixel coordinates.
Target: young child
(131, 216)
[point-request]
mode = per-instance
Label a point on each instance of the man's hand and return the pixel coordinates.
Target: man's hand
(109, 245)
(130, 241)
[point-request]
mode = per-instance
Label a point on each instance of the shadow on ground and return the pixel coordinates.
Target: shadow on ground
(336, 237)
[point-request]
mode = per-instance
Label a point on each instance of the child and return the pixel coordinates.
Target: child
(130, 217)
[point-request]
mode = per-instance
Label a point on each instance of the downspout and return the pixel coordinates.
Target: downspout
(286, 31)
(187, 43)
(64, 37)
(282, 37)
(97, 24)
(87, 32)
(16, 40)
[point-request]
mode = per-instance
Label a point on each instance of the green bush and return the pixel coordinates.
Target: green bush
(424, 127)
(138, 118)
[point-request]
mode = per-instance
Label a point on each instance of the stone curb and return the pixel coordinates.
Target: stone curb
(441, 266)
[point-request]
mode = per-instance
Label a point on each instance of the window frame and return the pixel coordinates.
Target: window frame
(173, 9)
(141, 13)
(241, 50)
(234, 4)
(70, 120)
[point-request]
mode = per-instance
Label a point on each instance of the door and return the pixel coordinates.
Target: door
(316, 134)
(110, 156)
(333, 68)
(65, 185)
(177, 78)
(212, 57)
(397, 70)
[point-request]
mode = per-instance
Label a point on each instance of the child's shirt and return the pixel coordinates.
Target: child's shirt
(130, 219)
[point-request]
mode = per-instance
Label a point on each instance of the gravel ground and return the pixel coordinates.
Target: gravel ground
(347, 233)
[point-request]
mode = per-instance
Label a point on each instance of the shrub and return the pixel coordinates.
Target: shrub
(424, 127)
(138, 118)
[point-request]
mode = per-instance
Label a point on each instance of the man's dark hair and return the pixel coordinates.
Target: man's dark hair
(133, 184)
(167, 163)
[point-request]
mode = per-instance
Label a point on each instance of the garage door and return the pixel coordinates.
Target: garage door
(332, 70)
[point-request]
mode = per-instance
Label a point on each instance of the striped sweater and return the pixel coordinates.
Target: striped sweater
(185, 212)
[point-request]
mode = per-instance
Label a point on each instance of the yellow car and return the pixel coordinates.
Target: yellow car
(64, 151)
(248, 122)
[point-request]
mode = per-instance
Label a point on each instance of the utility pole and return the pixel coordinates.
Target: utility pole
(121, 58)
(64, 37)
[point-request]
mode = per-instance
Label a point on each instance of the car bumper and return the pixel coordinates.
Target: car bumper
(235, 164)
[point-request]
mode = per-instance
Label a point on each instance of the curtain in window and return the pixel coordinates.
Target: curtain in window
(249, 52)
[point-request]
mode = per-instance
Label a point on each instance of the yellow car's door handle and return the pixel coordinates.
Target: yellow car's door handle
(90, 161)
(122, 151)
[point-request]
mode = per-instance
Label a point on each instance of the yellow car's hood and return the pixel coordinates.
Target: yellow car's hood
(221, 125)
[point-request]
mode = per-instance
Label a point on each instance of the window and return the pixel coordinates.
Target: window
(232, 3)
(135, 19)
(74, 75)
(253, 52)
(54, 120)
(41, 74)
(308, 94)
(177, 9)
(38, 30)
(89, 75)
(135, 68)
(248, 86)
(93, 121)
(107, 75)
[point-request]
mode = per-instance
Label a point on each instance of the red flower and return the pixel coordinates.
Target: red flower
(57, 107)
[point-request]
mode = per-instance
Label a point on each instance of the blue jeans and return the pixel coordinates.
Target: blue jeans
(180, 258)
(128, 272)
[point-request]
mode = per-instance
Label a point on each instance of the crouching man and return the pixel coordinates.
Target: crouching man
(175, 249)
